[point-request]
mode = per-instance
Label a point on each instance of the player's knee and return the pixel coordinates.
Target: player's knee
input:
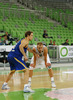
(49, 67)
(12, 72)
(30, 68)
(24, 71)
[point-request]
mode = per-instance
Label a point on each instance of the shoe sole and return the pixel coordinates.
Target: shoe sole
(29, 91)
(53, 86)
(5, 89)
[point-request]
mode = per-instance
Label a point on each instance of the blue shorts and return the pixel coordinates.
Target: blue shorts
(16, 63)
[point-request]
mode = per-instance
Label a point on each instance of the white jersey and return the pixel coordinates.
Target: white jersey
(40, 62)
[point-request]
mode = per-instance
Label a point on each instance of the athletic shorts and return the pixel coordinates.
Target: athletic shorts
(16, 63)
(40, 62)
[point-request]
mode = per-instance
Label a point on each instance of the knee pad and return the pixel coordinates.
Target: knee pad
(49, 67)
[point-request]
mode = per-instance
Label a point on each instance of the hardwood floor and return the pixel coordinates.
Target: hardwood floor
(63, 79)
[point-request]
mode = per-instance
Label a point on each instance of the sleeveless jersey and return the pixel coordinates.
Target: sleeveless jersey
(16, 51)
(40, 60)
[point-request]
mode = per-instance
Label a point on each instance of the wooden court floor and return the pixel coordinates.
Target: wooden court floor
(63, 79)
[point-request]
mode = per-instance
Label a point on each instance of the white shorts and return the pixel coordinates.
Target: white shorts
(40, 62)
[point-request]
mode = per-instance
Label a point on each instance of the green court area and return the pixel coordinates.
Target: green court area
(20, 95)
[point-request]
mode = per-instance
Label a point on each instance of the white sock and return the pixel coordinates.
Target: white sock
(29, 81)
(5, 83)
(52, 79)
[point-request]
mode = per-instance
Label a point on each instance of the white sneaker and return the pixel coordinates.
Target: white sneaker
(5, 86)
(53, 85)
(28, 89)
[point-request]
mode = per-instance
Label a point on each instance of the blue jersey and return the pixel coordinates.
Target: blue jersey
(16, 51)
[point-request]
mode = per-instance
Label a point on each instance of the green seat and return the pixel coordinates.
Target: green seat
(1, 27)
(30, 55)
(14, 43)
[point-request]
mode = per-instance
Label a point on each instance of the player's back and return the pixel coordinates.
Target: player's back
(16, 50)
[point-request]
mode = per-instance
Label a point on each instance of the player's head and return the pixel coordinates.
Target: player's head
(50, 41)
(29, 34)
(66, 40)
(6, 33)
(40, 46)
(5, 37)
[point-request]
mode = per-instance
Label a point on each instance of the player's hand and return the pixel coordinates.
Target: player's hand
(47, 64)
(25, 58)
(33, 65)
(37, 55)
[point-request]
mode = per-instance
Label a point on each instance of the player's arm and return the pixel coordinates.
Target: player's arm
(45, 57)
(34, 57)
(45, 54)
(32, 51)
(34, 60)
(21, 47)
(34, 64)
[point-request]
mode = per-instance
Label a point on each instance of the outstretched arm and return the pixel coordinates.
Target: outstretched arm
(34, 60)
(33, 51)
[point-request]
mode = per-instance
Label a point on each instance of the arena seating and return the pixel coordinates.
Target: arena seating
(17, 22)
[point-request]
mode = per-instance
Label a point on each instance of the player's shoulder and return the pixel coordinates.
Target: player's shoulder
(23, 41)
(45, 48)
(34, 48)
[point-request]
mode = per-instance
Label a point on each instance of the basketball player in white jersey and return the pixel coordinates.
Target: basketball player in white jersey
(43, 60)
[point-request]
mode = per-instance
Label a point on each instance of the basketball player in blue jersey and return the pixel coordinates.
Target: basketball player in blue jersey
(40, 62)
(15, 57)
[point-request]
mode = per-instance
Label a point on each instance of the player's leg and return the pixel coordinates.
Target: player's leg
(31, 71)
(5, 85)
(21, 65)
(26, 75)
(30, 75)
(50, 71)
(9, 76)
(27, 87)
(15, 64)
(12, 68)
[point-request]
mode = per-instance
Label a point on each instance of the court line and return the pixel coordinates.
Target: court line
(44, 75)
(32, 76)
(6, 91)
(67, 72)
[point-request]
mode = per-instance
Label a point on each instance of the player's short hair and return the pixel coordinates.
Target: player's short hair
(39, 43)
(66, 39)
(28, 33)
